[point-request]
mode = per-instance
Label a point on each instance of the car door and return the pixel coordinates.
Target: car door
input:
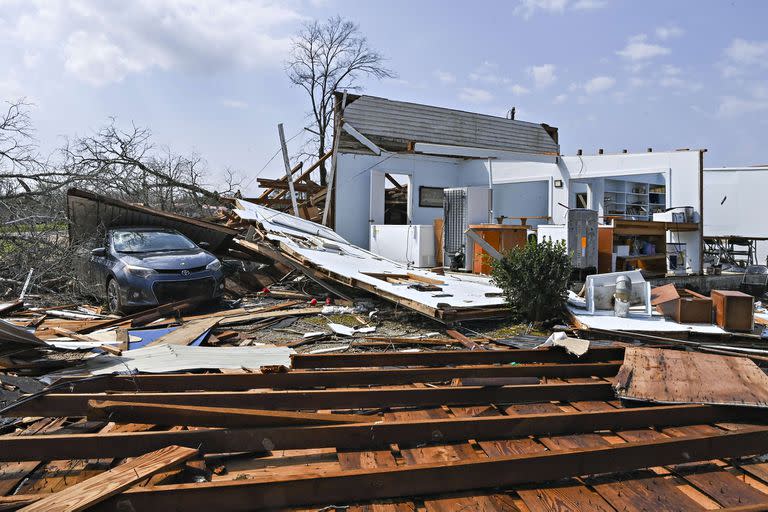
(99, 266)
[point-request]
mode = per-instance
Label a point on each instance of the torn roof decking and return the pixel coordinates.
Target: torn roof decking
(461, 297)
(499, 457)
(392, 125)
(88, 212)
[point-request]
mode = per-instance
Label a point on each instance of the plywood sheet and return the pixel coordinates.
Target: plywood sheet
(677, 377)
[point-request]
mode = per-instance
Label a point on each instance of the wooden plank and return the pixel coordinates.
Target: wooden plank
(471, 345)
(187, 333)
(727, 489)
(539, 419)
(569, 495)
(100, 487)
(76, 404)
(446, 357)
(425, 479)
(671, 376)
(269, 314)
(629, 492)
(462, 450)
(331, 378)
(212, 416)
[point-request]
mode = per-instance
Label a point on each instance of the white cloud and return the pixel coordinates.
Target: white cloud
(31, 59)
(543, 75)
(747, 52)
(97, 61)
(232, 103)
(519, 90)
(742, 57)
(638, 49)
(754, 99)
(668, 32)
(527, 8)
(445, 77)
(106, 41)
(732, 106)
(584, 5)
(599, 84)
(488, 72)
(10, 88)
(473, 95)
(560, 98)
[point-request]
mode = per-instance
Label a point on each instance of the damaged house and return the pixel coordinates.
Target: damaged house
(396, 161)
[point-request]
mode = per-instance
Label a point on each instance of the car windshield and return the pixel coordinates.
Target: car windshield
(149, 241)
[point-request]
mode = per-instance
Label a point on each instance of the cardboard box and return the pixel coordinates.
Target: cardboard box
(734, 311)
(683, 306)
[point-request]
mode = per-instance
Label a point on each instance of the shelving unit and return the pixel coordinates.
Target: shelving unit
(639, 237)
(633, 200)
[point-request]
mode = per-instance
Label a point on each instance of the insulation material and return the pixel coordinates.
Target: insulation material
(637, 322)
(174, 358)
(678, 377)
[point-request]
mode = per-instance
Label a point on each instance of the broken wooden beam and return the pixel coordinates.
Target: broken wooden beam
(441, 477)
(331, 378)
(89, 492)
(362, 436)
(187, 333)
(77, 404)
(447, 357)
(199, 416)
(468, 343)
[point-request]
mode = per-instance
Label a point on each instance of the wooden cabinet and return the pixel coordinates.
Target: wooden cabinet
(501, 237)
(734, 311)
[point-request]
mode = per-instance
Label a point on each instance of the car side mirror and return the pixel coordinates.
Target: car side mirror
(99, 252)
(204, 245)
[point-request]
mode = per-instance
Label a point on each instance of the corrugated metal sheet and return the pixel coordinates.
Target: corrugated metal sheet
(393, 124)
(89, 212)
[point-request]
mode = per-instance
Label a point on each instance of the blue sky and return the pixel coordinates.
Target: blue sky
(207, 75)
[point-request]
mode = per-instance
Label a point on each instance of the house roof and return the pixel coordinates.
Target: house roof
(394, 125)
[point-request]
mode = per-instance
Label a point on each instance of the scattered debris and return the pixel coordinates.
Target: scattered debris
(575, 346)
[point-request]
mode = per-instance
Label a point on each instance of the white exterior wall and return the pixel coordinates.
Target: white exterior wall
(734, 199)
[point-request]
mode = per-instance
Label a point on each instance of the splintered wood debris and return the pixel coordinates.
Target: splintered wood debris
(378, 431)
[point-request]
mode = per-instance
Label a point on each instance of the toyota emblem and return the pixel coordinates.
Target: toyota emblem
(185, 272)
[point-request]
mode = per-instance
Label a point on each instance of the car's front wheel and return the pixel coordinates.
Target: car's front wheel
(114, 300)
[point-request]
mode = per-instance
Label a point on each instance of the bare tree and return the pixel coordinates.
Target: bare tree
(326, 57)
(121, 163)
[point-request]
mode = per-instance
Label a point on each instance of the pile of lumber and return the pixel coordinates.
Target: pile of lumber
(444, 430)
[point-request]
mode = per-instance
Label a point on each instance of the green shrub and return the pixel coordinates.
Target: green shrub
(534, 279)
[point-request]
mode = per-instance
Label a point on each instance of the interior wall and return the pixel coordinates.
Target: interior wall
(527, 199)
(683, 188)
(352, 194)
(353, 188)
